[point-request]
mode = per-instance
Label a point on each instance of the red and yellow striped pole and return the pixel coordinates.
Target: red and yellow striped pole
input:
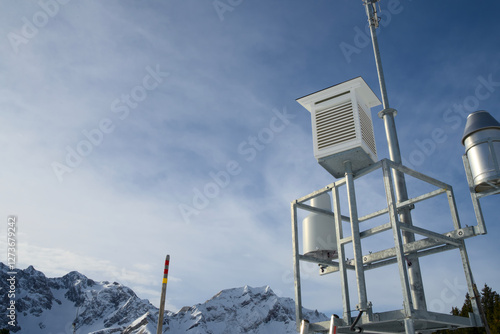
(163, 293)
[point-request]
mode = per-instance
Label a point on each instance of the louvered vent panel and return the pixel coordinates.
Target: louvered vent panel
(367, 129)
(342, 126)
(335, 125)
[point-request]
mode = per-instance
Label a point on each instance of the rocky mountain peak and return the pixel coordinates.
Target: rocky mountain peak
(53, 305)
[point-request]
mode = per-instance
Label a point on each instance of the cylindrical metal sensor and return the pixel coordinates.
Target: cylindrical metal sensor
(482, 146)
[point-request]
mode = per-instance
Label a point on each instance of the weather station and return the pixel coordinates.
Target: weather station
(344, 145)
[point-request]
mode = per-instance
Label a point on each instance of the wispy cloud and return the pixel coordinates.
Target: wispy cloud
(116, 214)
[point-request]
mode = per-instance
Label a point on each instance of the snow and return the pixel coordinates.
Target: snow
(58, 320)
(107, 308)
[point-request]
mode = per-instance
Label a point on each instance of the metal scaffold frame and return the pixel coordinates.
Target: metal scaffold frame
(409, 319)
(475, 196)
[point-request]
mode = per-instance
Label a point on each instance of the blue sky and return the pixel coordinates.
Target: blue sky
(117, 115)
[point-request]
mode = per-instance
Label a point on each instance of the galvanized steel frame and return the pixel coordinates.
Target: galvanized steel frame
(481, 226)
(433, 243)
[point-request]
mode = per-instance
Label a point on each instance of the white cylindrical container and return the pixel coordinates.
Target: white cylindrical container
(482, 147)
(319, 237)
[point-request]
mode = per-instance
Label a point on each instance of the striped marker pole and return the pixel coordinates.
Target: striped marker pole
(163, 292)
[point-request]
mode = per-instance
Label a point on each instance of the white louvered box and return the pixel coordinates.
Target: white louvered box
(342, 125)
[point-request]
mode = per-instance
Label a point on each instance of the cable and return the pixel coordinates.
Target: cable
(353, 326)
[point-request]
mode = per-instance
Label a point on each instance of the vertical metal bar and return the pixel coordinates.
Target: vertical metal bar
(333, 325)
(159, 328)
(356, 239)
(479, 229)
(470, 281)
(304, 327)
(346, 304)
(296, 266)
(409, 327)
(453, 209)
(373, 22)
(477, 297)
(387, 115)
(398, 242)
(481, 226)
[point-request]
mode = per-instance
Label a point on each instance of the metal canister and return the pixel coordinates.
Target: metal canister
(482, 146)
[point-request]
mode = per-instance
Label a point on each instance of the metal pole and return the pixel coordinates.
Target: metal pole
(398, 242)
(481, 227)
(346, 304)
(163, 293)
(333, 325)
(356, 239)
(409, 328)
(475, 299)
(304, 327)
(373, 22)
(387, 115)
(296, 266)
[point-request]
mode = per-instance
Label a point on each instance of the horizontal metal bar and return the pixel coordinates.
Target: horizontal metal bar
(330, 270)
(403, 204)
(418, 254)
(463, 233)
(419, 245)
(314, 209)
(321, 211)
(314, 194)
(381, 264)
(491, 191)
(408, 248)
(373, 215)
(339, 183)
(345, 240)
(323, 326)
(375, 230)
(359, 174)
(318, 261)
(376, 166)
(368, 170)
(369, 232)
(443, 318)
(419, 175)
(389, 315)
(333, 269)
(430, 234)
(393, 322)
(421, 197)
(436, 250)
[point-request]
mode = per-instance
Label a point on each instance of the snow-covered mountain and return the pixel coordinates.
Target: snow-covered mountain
(53, 305)
(240, 310)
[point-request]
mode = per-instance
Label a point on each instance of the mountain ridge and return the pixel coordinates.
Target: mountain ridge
(53, 305)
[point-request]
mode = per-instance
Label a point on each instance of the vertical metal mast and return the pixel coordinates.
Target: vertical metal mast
(414, 273)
